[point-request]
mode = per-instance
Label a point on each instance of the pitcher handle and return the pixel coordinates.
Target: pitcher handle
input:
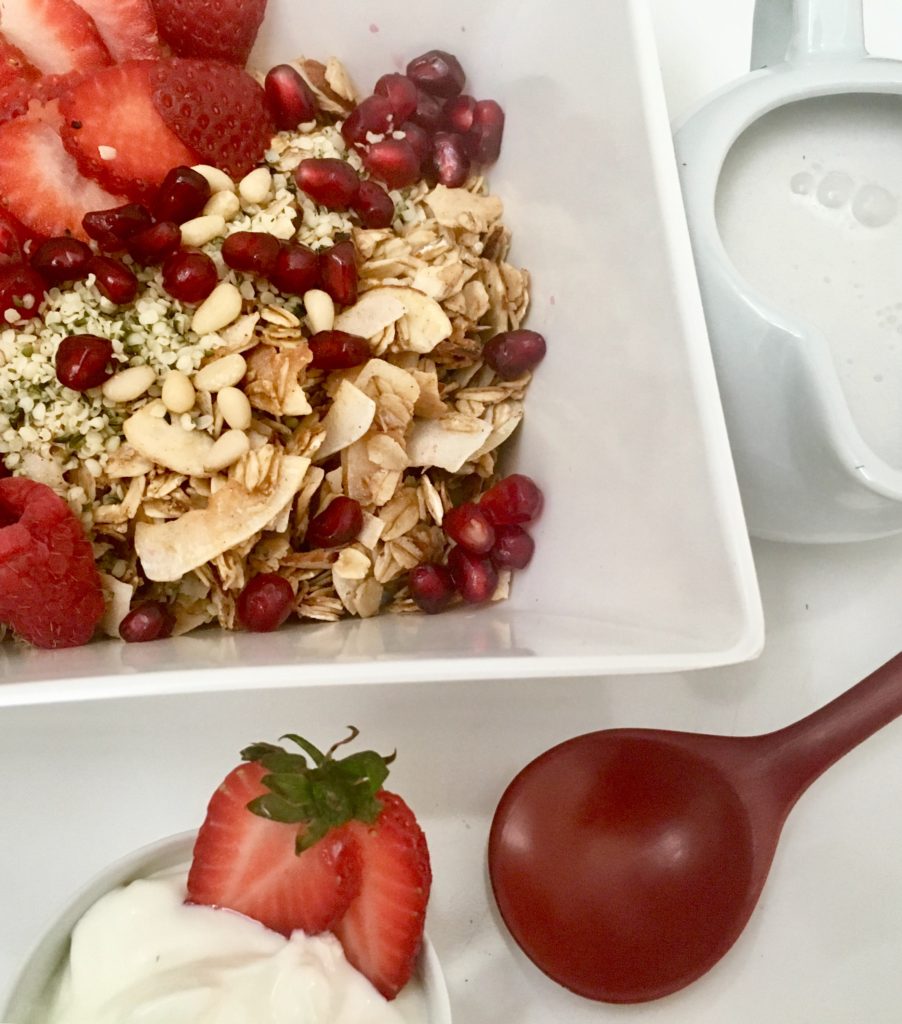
(800, 30)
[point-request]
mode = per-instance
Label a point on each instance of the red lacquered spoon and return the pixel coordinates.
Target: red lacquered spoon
(627, 862)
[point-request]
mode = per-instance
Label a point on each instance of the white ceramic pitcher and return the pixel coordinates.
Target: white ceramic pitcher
(805, 471)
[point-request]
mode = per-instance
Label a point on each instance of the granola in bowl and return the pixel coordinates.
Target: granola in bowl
(274, 444)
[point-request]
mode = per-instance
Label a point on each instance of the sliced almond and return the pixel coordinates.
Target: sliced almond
(167, 444)
(435, 443)
(499, 435)
(349, 418)
(169, 550)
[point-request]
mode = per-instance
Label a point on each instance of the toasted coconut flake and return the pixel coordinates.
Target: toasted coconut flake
(421, 321)
(273, 380)
(379, 377)
(458, 208)
(348, 419)
(167, 444)
(170, 550)
(118, 597)
(365, 481)
(372, 313)
(239, 336)
(127, 462)
(371, 531)
(447, 443)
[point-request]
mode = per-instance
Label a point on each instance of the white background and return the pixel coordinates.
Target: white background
(826, 943)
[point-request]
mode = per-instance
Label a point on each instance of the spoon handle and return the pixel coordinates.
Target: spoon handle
(792, 758)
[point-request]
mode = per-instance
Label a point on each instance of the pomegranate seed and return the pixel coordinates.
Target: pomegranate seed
(513, 548)
(338, 350)
(62, 259)
(468, 526)
(183, 195)
(265, 602)
(81, 361)
(189, 276)
(331, 183)
(450, 160)
(475, 577)
(253, 252)
(393, 161)
(373, 116)
(291, 100)
(431, 587)
(419, 139)
(22, 290)
(438, 73)
(513, 353)
(112, 228)
(374, 206)
(296, 270)
(339, 523)
(430, 114)
(338, 272)
(152, 245)
(148, 621)
(459, 112)
(484, 138)
(514, 500)
(400, 92)
(114, 280)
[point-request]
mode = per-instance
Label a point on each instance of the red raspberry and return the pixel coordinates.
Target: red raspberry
(216, 109)
(50, 590)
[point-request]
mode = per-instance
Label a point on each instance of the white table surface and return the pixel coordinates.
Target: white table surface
(825, 945)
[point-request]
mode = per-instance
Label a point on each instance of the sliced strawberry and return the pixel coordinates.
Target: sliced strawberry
(127, 27)
(40, 182)
(14, 65)
(216, 109)
(16, 97)
(246, 863)
(116, 135)
(56, 36)
(382, 931)
(210, 29)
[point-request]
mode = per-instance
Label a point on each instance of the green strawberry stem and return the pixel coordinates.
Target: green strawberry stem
(320, 796)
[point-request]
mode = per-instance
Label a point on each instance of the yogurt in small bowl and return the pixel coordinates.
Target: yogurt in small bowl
(137, 953)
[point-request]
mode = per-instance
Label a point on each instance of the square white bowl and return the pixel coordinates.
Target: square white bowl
(642, 561)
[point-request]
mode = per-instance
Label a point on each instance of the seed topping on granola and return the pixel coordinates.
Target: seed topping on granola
(294, 362)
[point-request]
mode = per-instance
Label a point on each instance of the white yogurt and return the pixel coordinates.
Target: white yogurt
(140, 955)
(809, 207)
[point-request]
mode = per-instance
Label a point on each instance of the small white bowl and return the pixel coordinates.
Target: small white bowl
(425, 1003)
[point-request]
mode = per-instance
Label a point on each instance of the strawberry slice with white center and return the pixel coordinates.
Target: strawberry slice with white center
(128, 27)
(39, 182)
(245, 863)
(57, 36)
(300, 846)
(14, 65)
(382, 931)
(116, 134)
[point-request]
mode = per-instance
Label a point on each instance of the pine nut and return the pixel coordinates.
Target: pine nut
(227, 451)
(223, 204)
(218, 310)
(218, 180)
(224, 372)
(178, 392)
(235, 408)
(204, 229)
(127, 385)
(320, 310)
(256, 186)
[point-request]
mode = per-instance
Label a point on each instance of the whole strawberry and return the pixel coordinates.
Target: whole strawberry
(318, 845)
(210, 29)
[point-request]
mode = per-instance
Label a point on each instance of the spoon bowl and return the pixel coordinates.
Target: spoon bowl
(627, 862)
